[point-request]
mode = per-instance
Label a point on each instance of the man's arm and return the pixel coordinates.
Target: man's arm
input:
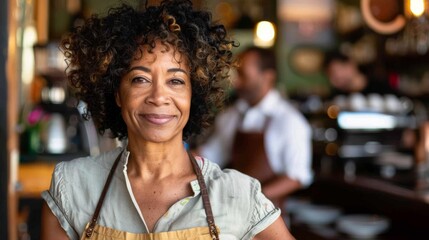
(280, 186)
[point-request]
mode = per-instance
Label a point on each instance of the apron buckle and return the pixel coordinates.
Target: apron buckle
(213, 232)
(89, 232)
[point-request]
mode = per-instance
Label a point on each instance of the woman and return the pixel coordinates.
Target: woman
(152, 78)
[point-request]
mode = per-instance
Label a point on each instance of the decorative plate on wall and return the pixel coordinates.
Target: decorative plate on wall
(383, 16)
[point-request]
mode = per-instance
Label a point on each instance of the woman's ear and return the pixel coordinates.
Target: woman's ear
(117, 99)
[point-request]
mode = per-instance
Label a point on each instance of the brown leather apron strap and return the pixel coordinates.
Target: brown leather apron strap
(94, 219)
(206, 200)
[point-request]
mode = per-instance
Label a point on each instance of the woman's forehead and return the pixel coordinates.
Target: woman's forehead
(147, 52)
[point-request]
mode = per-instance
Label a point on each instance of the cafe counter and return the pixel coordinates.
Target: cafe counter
(406, 207)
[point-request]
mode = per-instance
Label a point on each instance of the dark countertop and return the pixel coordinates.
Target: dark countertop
(404, 205)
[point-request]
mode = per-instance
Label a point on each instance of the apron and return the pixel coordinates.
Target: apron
(94, 231)
(249, 157)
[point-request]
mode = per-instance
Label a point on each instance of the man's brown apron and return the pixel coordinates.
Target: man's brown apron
(96, 232)
(249, 157)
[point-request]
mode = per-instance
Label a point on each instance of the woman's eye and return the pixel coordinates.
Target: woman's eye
(139, 80)
(177, 81)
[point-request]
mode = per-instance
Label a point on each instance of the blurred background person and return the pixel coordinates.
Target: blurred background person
(262, 134)
(346, 76)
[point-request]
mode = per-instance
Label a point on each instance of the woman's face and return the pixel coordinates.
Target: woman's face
(155, 95)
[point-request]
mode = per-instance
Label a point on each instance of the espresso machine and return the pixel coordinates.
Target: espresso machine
(356, 134)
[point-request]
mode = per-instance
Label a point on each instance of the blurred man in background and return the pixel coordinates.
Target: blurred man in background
(261, 134)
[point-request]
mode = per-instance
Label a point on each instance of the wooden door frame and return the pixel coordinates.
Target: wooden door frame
(4, 166)
(9, 82)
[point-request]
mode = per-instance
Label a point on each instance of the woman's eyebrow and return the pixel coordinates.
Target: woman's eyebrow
(145, 69)
(177, 70)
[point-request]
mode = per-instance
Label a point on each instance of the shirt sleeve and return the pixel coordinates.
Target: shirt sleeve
(56, 198)
(301, 161)
(296, 150)
(264, 213)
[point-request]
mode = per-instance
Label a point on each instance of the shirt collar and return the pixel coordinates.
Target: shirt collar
(194, 183)
(267, 105)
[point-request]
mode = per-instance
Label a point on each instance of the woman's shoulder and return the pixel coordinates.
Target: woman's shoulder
(229, 180)
(236, 197)
(77, 184)
(84, 175)
(87, 167)
(212, 170)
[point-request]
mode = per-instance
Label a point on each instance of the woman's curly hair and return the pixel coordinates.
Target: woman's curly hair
(100, 52)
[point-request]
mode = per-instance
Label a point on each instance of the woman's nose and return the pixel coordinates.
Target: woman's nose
(158, 94)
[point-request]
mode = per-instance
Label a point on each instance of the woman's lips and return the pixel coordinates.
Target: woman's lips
(158, 119)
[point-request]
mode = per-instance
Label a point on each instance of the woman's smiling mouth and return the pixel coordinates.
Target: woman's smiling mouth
(158, 119)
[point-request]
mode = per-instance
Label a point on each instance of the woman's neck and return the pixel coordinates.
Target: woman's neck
(157, 160)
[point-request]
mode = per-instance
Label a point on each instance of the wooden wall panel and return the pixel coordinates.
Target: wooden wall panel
(12, 82)
(3, 123)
